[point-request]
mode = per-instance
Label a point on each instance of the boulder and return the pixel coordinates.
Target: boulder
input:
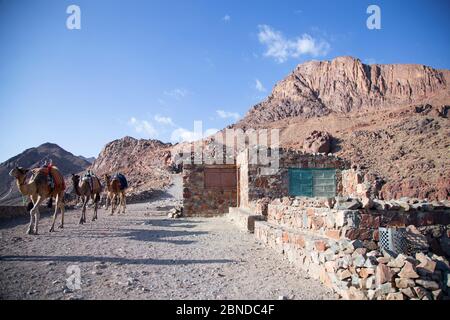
(437, 294)
(366, 272)
(421, 292)
(343, 274)
(383, 274)
(403, 283)
(395, 296)
(409, 292)
(358, 260)
(367, 203)
(353, 294)
(426, 265)
(427, 284)
(351, 204)
(370, 283)
(408, 271)
(371, 262)
(398, 262)
(317, 142)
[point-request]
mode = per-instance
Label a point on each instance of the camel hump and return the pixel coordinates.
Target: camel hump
(97, 185)
(122, 181)
(40, 176)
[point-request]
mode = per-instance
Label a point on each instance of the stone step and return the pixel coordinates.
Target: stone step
(244, 218)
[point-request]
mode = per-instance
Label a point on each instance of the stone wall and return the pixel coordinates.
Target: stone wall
(276, 184)
(320, 216)
(337, 242)
(356, 273)
(242, 160)
(352, 183)
(201, 201)
(9, 212)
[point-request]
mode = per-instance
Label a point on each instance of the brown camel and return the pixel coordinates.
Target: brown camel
(38, 189)
(115, 193)
(85, 191)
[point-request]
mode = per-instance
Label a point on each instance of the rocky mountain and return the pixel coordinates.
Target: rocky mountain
(345, 84)
(34, 157)
(145, 163)
(90, 159)
(391, 120)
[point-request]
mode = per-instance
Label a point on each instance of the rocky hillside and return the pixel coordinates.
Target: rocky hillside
(391, 120)
(34, 157)
(144, 162)
(345, 84)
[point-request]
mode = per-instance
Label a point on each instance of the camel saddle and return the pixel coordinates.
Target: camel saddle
(51, 174)
(93, 181)
(122, 180)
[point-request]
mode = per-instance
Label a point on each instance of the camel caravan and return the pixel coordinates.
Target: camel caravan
(47, 183)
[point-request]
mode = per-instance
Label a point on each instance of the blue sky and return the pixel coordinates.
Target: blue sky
(149, 69)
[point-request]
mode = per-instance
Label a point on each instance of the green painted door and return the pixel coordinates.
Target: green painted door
(312, 182)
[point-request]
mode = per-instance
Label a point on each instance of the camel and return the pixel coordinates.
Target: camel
(115, 193)
(38, 189)
(85, 192)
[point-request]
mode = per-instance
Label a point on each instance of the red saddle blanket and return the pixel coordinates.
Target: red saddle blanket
(58, 179)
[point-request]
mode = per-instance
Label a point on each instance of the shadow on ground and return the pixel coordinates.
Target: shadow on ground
(119, 260)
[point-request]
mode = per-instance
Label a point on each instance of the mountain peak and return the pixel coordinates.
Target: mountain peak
(49, 145)
(345, 84)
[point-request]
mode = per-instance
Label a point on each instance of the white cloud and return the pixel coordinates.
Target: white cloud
(184, 135)
(259, 86)
(226, 18)
(281, 48)
(177, 93)
(226, 114)
(164, 120)
(143, 126)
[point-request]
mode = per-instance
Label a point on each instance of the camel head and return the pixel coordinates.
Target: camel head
(75, 179)
(19, 173)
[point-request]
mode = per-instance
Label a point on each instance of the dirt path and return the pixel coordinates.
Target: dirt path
(144, 255)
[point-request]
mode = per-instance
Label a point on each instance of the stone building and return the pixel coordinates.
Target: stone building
(256, 176)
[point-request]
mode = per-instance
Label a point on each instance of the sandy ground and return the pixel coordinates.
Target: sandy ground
(144, 255)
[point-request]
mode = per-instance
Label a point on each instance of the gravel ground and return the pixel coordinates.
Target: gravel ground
(145, 255)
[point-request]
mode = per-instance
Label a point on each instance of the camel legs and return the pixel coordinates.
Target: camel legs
(123, 201)
(31, 226)
(113, 202)
(108, 197)
(83, 210)
(60, 203)
(35, 212)
(95, 198)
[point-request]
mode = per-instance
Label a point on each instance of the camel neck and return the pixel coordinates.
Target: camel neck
(24, 187)
(77, 188)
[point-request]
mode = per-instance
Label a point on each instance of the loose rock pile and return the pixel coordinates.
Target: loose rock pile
(175, 213)
(357, 274)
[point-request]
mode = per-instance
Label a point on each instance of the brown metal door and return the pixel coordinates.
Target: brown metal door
(221, 178)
